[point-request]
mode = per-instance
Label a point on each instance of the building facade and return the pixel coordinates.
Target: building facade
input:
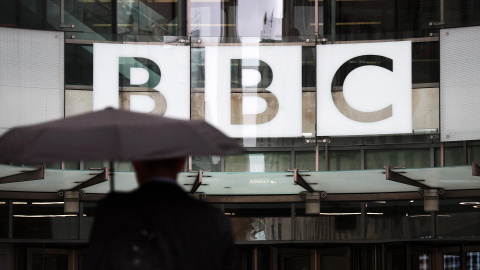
(358, 116)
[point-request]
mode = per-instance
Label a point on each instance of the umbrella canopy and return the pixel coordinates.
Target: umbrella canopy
(113, 135)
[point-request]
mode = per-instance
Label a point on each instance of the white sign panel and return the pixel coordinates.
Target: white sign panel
(364, 89)
(269, 94)
(164, 68)
(460, 85)
(31, 77)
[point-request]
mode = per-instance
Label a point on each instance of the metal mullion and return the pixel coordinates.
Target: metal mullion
(292, 160)
(222, 163)
(442, 154)
(362, 159)
(432, 157)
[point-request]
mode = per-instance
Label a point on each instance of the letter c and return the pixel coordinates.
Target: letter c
(340, 76)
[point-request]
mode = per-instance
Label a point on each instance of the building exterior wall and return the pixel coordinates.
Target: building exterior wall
(55, 79)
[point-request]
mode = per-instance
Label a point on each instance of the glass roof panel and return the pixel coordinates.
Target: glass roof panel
(277, 183)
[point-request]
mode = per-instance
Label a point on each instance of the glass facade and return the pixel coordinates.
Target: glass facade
(268, 57)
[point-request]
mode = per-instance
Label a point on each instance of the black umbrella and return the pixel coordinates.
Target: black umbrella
(113, 135)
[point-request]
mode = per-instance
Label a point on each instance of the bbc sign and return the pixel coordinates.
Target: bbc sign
(355, 94)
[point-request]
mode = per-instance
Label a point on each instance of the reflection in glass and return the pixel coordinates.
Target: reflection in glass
(206, 163)
(43, 220)
(337, 220)
(458, 220)
(3, 219)
(305, 161)
(421, 261)
(252, 20)
(425, 62)
(453, 156)
(374, 19)
(260, 221)
(343, 160)
(78, 64)
(461, 13)
(258, 162)
(409, 158)
(87, 219)
(261, 228)
(473, 260)
(451, 261)
(157, 19)
(473, 154)
(397, 220)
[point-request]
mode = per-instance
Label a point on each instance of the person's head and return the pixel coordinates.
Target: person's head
(145, 169)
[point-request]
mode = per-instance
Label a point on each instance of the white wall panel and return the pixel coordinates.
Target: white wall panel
(31, 76)
(460, 84)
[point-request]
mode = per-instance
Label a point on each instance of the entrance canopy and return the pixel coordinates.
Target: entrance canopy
(374, 182)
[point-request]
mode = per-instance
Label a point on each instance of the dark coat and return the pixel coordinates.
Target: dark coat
(159, 226)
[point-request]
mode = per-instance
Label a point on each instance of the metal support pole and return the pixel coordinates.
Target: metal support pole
(326, 157)
(362, 159)
(442, 154)
(317, 158)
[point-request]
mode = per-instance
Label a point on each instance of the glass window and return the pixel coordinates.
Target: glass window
(337, 220)
(96, 18)
(268, 20)
(461, 13)
(344, 160)
(453, 156)
(409, 158)
(43, 220)
(306, 161)
(87, 165)
(474, 154)
(397, 220)
(206, 163)
(258, 162)
(151, 18)
(3, 219)
(426, 62)
(459, 217)
(67, 165)
(78, 64)
(260, 221)
(87, 219)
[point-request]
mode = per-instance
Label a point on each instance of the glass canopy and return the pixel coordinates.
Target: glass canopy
(277, 183)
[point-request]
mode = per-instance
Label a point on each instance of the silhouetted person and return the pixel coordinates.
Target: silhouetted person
(158, 226)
